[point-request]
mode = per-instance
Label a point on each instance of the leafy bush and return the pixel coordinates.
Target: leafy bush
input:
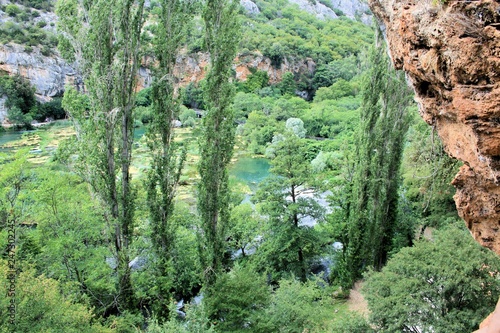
(256, 81)
(351, 323)
(196, 321)
(44, 305)
(238, 299)
(37, 4)
(431, 287)
(21, 100)
(296, 308)
(52, 109)
(189, 122)
(41, 24)
(12, 10)
(144, 114)
(186, 113)
(192, 96)
(143, 97)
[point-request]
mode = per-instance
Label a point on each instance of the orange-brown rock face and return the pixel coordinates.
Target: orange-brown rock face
(451, 53)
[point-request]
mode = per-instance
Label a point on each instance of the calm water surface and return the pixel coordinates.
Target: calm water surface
(9, 136)
(250, 170)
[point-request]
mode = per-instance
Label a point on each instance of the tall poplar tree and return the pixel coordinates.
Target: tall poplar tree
(372, 216)
(105, 37)
(217, 140)
(168, 156)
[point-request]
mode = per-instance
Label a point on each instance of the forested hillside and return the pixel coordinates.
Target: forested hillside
(127, 210)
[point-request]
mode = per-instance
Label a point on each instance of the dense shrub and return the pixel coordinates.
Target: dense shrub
(431, 288)
(144, 114)
(52, 109)
(12, 10)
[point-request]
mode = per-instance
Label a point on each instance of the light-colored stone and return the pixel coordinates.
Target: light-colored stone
(3, 109)
(315, 7)
(354, 9)
(47, 74)
(250, 7)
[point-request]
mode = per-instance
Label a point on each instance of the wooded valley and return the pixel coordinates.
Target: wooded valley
(251, 200)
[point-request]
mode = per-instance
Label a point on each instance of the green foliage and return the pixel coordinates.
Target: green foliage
(21, 31)
(167, 156)
(70, 231)
(351, 322)
(144, 114)
(339, 89)
(296, 307)
(241, 296)
(12, 10)
(189, 122)
(431, 287)
(196, 321)
(192, 96)
(259, 131)
(283, 32)
(244, 103)
(428, 172)
(217, 140)
(65, 48)
(52, 109)
(186, 114)
(13, 178)
(288, 84)
(244, 228)
(143, 97)
(105, 130)
(287, 246)
(288, 107)
(296, 126)
(21, 103)
(44, 305)
(334, 119)
(275, 52)
(372, 216)
(37, 4)
(256, 81)
(179, 274)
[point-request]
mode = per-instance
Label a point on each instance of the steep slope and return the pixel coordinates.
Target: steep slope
(451, 53)
(29, 43)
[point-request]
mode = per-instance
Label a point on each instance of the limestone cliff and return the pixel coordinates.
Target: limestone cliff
(451, 53)
(193, 67)
(47, 74)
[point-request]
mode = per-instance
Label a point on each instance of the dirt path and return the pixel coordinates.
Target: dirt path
(356, 301)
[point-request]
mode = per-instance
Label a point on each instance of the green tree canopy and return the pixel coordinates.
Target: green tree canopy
(447, 284)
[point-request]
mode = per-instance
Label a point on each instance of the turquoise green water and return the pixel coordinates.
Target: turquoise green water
(8, 136)
(250, 170)
(139, 132)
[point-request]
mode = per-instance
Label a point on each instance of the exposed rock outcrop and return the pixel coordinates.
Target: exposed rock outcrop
(354, 9)
(47, 74)
(192, 68)
(317, 8)
(451, 53)
(250, 7)
(3, 110)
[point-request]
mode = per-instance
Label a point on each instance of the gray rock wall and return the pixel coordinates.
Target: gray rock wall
(47, 74)
(3, 109)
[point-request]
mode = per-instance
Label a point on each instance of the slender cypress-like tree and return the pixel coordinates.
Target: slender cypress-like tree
(217, 139)
(168, 156)
(372, 216)
(105, 35)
